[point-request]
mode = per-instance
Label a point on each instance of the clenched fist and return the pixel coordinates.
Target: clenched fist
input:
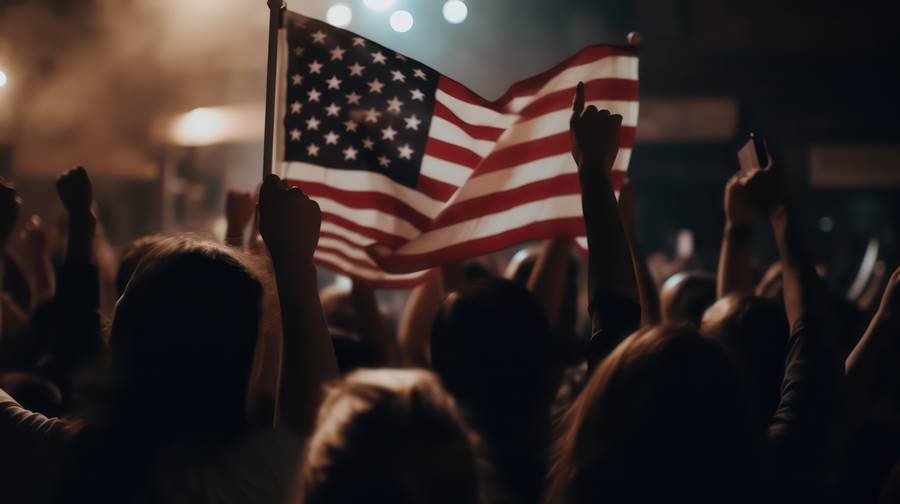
(289, 221)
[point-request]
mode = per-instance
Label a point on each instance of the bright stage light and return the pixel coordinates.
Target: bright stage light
(2, 78)
(455, 11)
(201, 126)
(379, 5)
(339, 15)
(401, 21)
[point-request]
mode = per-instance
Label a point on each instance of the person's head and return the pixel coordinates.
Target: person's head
(684, 296)
(391, 436)
(491, 346)
(519, 270)
(754, 332)
(661, 419)
(183, 338)
(131, 257)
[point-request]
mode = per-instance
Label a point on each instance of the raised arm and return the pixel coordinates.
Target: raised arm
(289, 224)
(365, 306)
(614, 301)
(9, 214)
(239, 209)
(548, 278)
(876, 352)
(37, 256)
(77, 296)
(735, 264)
(650, 310)
(801, 431)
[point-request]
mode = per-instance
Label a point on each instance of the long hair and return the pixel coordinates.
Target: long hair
(661, 419)
(391, 436)
(182, 345)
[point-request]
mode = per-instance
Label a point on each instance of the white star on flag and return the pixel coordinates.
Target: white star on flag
(315, 67)
(312, 123)
(331, 138)
(375, 86)
(388, 133)
(313, 95)
(312, 150)
(372, 115)
(398, 76)
(412, 122)
(318, 37)
(417, 95)
(334, 82)
(359, 41)
(353, 98)
(337, 53)
(405, 151)
(378, 57)
(295, 107)
(296, 79)
(333, 109)
(350, 125)
(368, 144)
(394, 105)
(384, 160)
(295, 134)
(356, 69)
(420, 74)
(350, 153)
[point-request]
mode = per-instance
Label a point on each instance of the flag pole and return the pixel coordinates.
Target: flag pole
(276, 8)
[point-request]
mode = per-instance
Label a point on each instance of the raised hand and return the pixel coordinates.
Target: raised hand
(9, 209)
(77, 195)
(239, 208)
(75, 191)
(889, 309)
(289, 221)
(738, 207)
(595, 139)
(765, 188)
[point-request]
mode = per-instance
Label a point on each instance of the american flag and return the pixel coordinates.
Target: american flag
(411, 169)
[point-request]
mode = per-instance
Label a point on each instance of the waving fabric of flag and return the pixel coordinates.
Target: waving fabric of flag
(412, 169)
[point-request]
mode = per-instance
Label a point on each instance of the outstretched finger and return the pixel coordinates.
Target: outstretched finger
(578, 104)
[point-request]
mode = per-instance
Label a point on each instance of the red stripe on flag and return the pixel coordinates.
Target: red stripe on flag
(534, 150)
(435, 189)
(568, 226)
(474, 131)
(598, 89)
(531, 85)
(367, 199)
(504, 200)
(452, 153)
(392, 241)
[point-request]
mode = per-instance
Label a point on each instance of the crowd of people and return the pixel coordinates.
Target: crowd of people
(224, 375)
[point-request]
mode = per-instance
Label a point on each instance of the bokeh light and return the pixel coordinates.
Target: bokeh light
(455, 11)
(401, 21)
(379, 5)
(339, 15)
(2, 78)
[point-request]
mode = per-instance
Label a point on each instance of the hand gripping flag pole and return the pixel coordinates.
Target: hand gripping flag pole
(276, 9)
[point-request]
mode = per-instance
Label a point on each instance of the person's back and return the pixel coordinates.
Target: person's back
(391, 436)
